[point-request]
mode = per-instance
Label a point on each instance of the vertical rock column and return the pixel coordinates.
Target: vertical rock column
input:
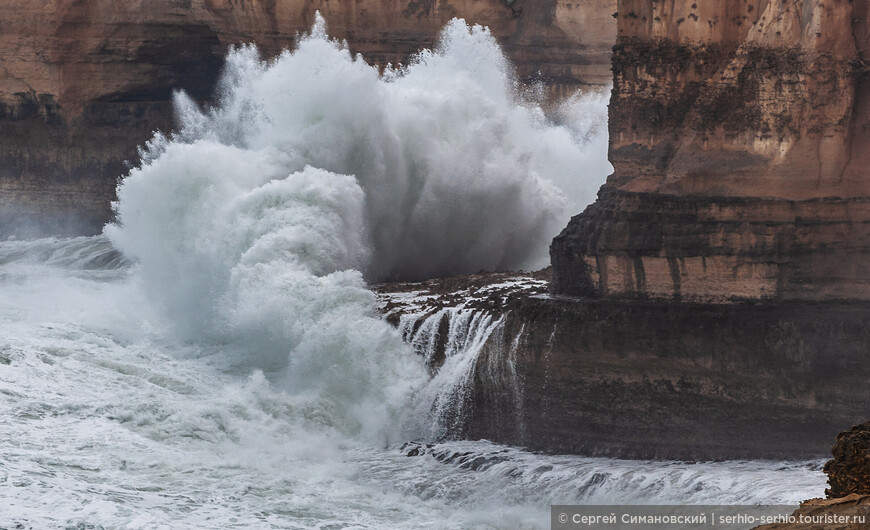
(739, 140)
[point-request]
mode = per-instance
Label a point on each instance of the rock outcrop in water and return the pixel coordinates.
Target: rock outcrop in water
(848, 504)
(846, 513)
(83, 83)
(740, 145)
(849, 471)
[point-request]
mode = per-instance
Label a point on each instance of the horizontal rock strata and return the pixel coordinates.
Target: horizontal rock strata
(739, 138)
(654, 378)
(715, 249)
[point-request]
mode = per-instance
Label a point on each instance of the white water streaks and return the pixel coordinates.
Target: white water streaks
(108, 421)
(231, 371)
(442, 402)
(249, 225)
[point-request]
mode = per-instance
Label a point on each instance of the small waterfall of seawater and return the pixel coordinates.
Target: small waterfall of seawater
(218, 359)
(469, 360)
(258, 225)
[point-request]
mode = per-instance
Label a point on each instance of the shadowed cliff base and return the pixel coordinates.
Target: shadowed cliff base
(644, 378)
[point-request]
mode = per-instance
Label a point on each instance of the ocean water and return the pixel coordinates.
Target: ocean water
(216, 360)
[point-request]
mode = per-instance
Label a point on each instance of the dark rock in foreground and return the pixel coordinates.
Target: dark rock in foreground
(848, 505)
(849, 470)
(845, 513)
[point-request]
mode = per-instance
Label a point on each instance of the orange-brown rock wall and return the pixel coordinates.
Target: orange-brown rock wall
(738, 98)
(740, 140)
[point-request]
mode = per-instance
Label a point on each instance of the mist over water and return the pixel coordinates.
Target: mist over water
(257, 224)
(456, 169)
(110, 421)
(229, 369)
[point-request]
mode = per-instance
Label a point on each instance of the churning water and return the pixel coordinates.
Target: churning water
(228, 367)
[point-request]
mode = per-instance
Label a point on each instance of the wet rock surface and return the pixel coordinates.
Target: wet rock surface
(659, 379)
(851, 512)
(484, 291)
(474, 461)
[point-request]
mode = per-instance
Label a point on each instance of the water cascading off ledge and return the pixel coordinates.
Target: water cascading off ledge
(470, 342)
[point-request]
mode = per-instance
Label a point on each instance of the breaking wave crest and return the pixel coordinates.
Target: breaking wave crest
(257, 224)
(229, 369)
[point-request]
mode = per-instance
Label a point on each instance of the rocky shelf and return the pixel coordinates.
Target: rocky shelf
(649, 378)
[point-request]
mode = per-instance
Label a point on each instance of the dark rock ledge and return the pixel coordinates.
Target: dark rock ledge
(645, 378)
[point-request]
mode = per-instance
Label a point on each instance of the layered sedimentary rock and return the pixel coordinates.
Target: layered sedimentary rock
(637, 379)
(740, 140)
(83, 82)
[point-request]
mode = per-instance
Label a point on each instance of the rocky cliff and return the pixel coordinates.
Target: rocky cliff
(851, 512)
(740, 140)
(635, 379)
(83, 82)
(712, 303)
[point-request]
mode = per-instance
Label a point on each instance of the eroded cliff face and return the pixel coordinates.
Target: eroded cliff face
(84, 82)
(740, 140)
(635, 379)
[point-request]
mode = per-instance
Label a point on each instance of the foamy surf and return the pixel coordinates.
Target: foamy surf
(112, 422)
(228, 368)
